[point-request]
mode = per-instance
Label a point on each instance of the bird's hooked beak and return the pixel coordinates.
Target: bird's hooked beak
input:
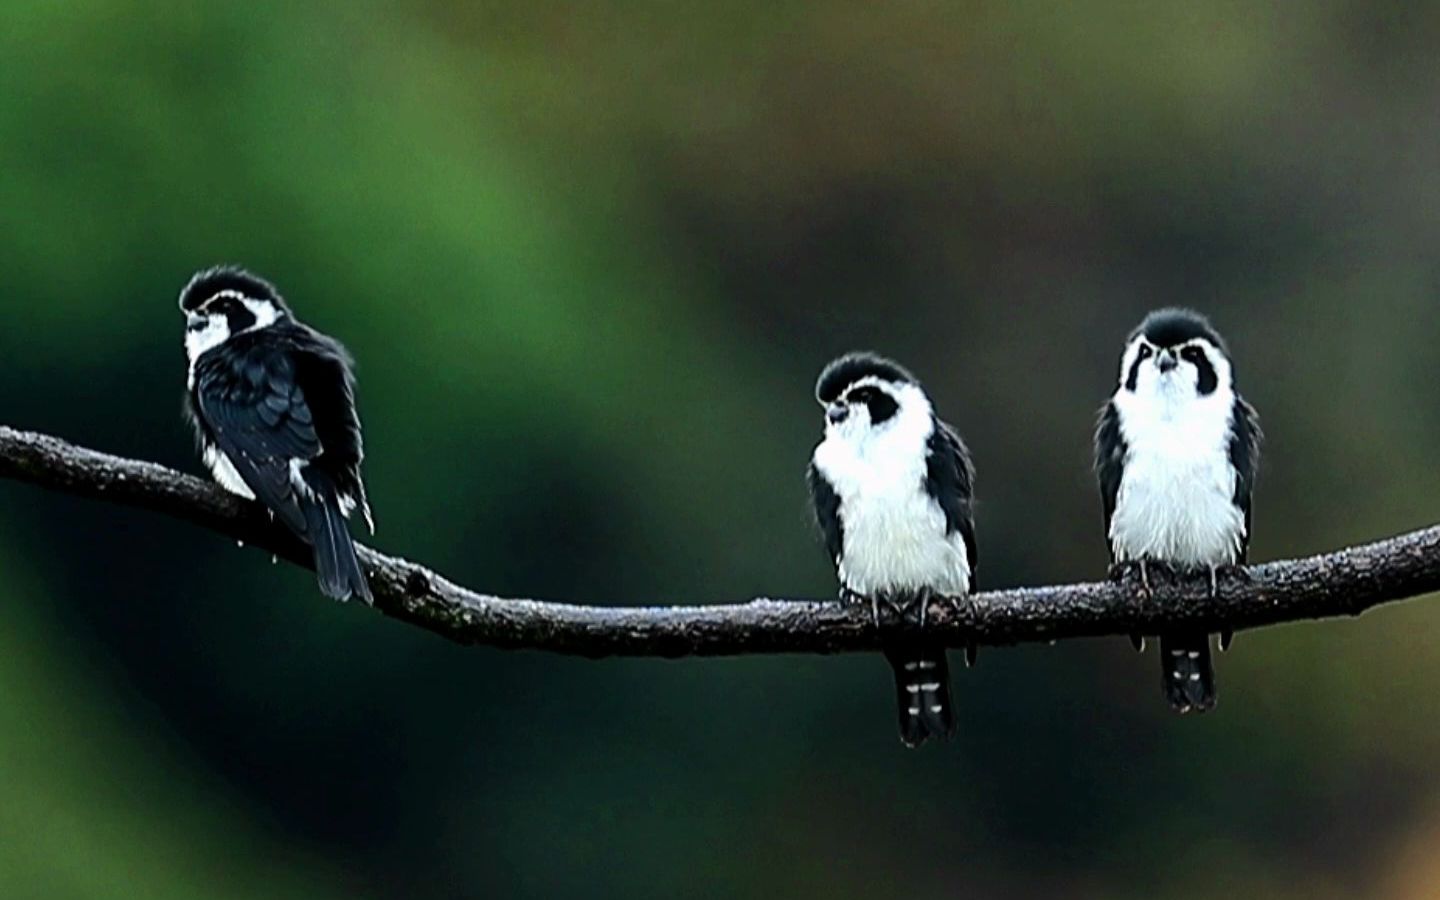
(194, 321)
(836, 413)
(1166, 361)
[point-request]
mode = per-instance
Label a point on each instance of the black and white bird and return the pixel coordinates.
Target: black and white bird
(1176, 451)
(272, 401)
(892, 486)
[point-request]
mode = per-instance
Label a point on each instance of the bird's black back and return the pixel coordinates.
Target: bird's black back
(286, 391)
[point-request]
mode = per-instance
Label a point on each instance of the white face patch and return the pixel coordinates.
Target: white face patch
(208, 327)
(204, 333)
(895, 537)
(1175, 372)
(265, 312)
(857, 428)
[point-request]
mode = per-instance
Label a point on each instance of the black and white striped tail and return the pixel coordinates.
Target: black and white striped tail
(922, 691)
(1188, 672)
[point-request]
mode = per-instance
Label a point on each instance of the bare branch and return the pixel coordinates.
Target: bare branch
(1344, 583)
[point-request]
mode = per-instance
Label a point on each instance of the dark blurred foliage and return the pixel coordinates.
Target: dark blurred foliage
(590, 258)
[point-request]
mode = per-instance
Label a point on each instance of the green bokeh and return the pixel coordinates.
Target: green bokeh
(590, 258)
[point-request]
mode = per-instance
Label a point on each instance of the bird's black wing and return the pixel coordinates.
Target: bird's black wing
(950, 479)
(827, 512)
(258, 416)
(323, 370)
(1245, 440)
(1110, 450)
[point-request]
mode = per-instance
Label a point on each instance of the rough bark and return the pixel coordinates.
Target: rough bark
(1343, 583)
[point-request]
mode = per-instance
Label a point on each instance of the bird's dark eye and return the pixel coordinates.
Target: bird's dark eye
(1192, 354)
(1145, 351)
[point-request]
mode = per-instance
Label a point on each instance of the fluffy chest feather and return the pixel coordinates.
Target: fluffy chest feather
(1176, 500)
(894, 533)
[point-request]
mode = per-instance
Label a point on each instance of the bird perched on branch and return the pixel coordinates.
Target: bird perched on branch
(1176, 451)
(892, 486)
(272, 402)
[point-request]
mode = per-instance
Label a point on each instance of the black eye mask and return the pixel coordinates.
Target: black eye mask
(881, 405)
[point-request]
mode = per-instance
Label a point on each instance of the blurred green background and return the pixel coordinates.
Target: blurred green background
(590, 258)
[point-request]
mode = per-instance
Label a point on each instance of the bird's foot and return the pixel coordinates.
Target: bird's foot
(916, 607)
(854, 598)
(1141, 571)
(1137, 575)
(874, 601)
(1154, 572)
(1238, 574)
(921, 601)
(960, 606)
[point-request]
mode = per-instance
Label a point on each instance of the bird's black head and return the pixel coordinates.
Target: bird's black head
(1182, 350)
(1175, 326)
(225, 301)
(867, 380)
(207, 284)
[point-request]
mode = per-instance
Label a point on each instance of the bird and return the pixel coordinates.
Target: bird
(892, 487)
(1177, 452)
(272, 403)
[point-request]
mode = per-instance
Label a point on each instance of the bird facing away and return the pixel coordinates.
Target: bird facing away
(892, 487)
(272, 402)
(1176, 451)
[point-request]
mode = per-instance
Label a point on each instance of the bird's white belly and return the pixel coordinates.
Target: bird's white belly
(1176, 504)
(224, 471)
(895, 544)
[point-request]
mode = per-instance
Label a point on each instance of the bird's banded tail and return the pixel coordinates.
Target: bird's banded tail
(922, 692)
(1187, 671)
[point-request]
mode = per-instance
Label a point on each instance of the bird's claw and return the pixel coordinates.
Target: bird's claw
(874, 601)
(1119, 572)
(1123, 572)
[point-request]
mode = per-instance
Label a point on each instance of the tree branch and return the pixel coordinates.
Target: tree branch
(1347, 582)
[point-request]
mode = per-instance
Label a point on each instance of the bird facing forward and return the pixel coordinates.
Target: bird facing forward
(892, 487)
(1176, 451)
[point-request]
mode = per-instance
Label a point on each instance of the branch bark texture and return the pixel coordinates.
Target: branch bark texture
(1343, 583)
